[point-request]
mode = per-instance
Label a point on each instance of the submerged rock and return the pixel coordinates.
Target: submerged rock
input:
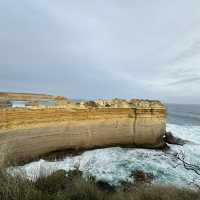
(142, 177)
(171, 139)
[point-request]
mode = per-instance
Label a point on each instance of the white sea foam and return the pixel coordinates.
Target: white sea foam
(116, 164)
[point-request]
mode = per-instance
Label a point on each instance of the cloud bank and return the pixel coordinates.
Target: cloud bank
(92, 49)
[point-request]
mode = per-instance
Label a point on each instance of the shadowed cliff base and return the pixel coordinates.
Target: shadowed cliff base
(61, 154)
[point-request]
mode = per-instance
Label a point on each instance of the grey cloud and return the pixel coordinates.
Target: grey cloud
(186, 80)
(186, 53)
(91, 49)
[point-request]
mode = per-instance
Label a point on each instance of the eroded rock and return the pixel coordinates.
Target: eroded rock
(171, 139)
(142, 176)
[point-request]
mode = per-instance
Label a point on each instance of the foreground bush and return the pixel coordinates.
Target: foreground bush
(58, 186)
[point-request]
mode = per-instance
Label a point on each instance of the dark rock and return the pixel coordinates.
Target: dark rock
(171, 139)
(104, 186)
(128, 186)
(142, 177)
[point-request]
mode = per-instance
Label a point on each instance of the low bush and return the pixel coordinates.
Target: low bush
(71, 186)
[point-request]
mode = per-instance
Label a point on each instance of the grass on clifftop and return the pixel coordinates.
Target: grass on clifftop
(58, 186)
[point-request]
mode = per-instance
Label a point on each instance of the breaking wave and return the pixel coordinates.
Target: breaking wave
(116, 164)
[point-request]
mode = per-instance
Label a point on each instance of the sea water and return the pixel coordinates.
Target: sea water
(115, 165)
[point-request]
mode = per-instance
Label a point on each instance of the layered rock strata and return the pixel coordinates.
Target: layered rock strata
(27, 133)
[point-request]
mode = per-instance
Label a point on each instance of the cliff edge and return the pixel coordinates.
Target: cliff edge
(32, 131)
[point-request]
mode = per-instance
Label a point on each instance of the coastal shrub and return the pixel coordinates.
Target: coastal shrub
(18, 188)
(72, 186)
(52, 183)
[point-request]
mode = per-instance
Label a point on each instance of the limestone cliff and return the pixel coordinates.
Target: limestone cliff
(27, 132)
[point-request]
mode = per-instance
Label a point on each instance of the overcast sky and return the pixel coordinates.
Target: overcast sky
(105, 48)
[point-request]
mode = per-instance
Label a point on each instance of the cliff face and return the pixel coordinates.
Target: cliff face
(26, 133)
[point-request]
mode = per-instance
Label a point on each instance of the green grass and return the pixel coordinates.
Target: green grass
(58, 186)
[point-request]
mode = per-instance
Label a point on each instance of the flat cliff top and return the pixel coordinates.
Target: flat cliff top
(33, 114)
(33, 101)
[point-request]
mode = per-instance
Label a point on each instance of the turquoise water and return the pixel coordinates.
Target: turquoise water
(116, 164)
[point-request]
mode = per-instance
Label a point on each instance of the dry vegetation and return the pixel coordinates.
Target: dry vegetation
(58, 186)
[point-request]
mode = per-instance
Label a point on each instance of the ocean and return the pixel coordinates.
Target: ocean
(115, 164)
